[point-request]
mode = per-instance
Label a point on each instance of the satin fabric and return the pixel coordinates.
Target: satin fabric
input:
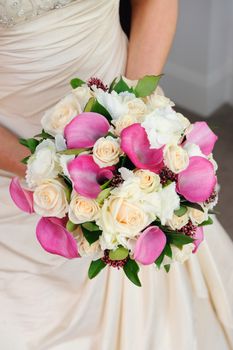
(46, 301)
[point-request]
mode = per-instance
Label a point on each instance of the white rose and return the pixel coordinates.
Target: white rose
(177, 222)
(181, 255)
(83, 94)
(183, 120)
(84, 248)
(123, 122)
(198, 216)
(43, 164)
(175, 158)
(213, 161)
(120, 217)
(149, 181)
(50, 199)
(193, 150)
(163, 203)
(157, 101)
(106, 151)
(82, 209)
(56, 118)
(163, 126)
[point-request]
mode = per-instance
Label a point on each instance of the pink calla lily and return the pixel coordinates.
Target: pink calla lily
(85, 129)
(135, 143)
(202, 136)
(22, 198)
(55, 239)
(149, 245)
(87, 175)
(198, 238)
(197, 182)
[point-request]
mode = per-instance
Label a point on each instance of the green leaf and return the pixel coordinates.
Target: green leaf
(91, 236)
(25, 160)
(167, 268)
(168, 251)
(70, 226)
(180, 212)
(112, 84)
(178, 239)
(159, 260)
(67, 181)
(103, 195)
(105, 185)
(121, 86)
(192, 205)
(147, 85)
(95, 267)
(120, 253)
(98, 108)
(29, 143)
(89, 104)
(76, 82)
(131, 270)
(91, 226)
(73, 151)
(207, 222)
(44, 135)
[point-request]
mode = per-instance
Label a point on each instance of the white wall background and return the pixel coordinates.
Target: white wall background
(199, 72)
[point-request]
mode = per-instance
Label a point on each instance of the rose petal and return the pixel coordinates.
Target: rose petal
(202, 136)
(197, 182)
(85, 129)
(87, 175)
(149, 245)
(135, 143)
(22, 198)
(55, 239)
(198, 238)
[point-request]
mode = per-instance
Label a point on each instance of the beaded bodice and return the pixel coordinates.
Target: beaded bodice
(16, 11)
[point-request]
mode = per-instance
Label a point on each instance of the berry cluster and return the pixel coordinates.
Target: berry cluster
(114, 263)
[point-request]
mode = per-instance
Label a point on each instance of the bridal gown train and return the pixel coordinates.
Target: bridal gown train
(46, 301)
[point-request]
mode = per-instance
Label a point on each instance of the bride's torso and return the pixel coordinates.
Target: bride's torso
(42, 47)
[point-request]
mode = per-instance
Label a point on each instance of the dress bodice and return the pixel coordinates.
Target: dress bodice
(17, 11)
(40, 56)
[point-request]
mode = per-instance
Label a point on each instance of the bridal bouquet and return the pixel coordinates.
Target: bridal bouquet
(117, 175)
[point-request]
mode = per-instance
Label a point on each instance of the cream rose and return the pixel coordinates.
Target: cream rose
(56, 118)
(83, 94)
(175, 158)
(149, 181)
(157, 101)
(82, 209)
(43, 164)
(197, 216)
(177, 222)
(106, 151)
(124, 122)
(50, 199)
(120, 217)
(137, 108)
(84, 248)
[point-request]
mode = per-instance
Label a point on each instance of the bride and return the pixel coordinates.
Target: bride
(46, 301)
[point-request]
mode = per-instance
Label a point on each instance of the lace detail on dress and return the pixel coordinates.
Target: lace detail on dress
(16, 11)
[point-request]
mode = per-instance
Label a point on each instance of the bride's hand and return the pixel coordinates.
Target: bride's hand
(152, 31)
(11, 153)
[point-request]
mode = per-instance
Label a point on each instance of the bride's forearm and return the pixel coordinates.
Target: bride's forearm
(11, 153)
(152, 31)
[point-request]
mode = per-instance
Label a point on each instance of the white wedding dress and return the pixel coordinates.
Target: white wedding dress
(46, 301)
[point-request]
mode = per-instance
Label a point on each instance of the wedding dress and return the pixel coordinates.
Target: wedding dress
(46, 301)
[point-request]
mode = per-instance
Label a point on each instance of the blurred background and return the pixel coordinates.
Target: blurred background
(199, 79)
